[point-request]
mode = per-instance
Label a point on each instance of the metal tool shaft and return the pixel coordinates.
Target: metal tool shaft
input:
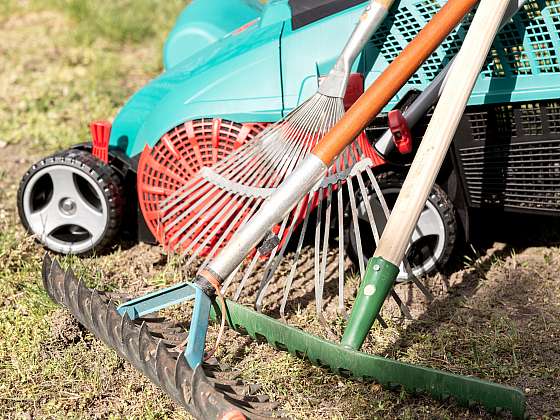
(337, 80)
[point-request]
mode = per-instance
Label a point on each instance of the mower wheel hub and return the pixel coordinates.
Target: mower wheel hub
(67, 206)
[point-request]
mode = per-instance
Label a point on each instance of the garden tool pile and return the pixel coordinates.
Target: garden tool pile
(244, 216)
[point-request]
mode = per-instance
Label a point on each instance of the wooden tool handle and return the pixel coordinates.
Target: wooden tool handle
(440, 132)
(392, 79)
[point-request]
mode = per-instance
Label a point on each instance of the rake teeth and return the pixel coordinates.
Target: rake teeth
(203, 396)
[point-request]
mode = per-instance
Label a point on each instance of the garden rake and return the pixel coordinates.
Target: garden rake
(183, 375)
(204, 213)
(201, 217)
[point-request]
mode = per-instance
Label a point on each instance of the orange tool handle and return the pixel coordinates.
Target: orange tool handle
(392, 79)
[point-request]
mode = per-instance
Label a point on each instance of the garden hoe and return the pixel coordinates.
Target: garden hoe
(328, 160)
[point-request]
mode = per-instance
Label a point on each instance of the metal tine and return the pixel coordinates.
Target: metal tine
(201, 214)
(340, 198)
(381, 321)
(268, 278)
(230, 278)
(204, 218)
(200, 189)
(293, 121)
(386, 211)
(378, 192)
(256, 148)
(272, 163)
(196, 195)
(317, 255)
(232, 209)
(357, 235)
(301, 121)
(367, 204)
(292, 141)
(223, 218)
(289, 164)
(246, 276)
(265, 281)
(318, 126)
(403, 308)
(324, 255)
(425, 291)
(290, 279)
(227, 232)
(341, 250)
(181, 194)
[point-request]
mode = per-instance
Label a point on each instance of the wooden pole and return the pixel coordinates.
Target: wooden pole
(441, 130)
(383, 267)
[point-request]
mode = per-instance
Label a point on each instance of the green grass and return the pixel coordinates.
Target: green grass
(116, 21)
(63, 64)
(122, 21)
(74, 61)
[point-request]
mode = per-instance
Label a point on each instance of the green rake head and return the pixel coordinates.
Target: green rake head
(154, 348)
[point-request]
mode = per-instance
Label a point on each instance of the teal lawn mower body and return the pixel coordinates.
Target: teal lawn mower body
(244, 61)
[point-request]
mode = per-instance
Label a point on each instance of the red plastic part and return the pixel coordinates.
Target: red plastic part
(354, 89)
(100, 133)
(402, 136)
(245, 27)
(177, 158)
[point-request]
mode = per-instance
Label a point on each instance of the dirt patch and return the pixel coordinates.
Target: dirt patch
(65, 329)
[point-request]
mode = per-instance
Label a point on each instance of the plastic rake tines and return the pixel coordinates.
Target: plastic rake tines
(225, 196)
(325, 214)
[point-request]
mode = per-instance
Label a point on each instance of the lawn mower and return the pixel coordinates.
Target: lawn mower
(237, 145)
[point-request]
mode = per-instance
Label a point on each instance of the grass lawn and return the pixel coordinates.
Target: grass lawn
(66, 62)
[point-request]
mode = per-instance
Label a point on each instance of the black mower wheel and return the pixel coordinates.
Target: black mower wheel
(433, 240)
(71, 202)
